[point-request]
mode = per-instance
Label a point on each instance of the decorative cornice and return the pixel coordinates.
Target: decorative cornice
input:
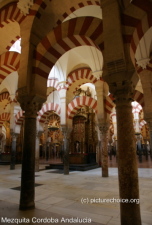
(25, 5)
(143, 63)
(66, 131)
(97, 74)
(103, 127)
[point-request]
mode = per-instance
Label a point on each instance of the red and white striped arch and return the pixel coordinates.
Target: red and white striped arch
(12, 42)
(111, 127)
(108, 105)
(4, 117)
(83, 73)
(19, 118)
(78, 74)
(71, 9)
(53, 82)
(77, 6)
(142, 123)
(138, 97)
(4, 96)
(136, 108)
(79, 102)
(45, 111)
(12, 13)
(136, 25)
(143, 26)
(73, 33)
(9, 62)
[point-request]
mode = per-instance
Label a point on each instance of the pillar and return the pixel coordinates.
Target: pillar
(28, 159)
(13, 151)
(66, 133)
(150, 133)
(138, 137)
(146, 81)
(37, 150)
(127, 163)
(98, 157)
(103, 127)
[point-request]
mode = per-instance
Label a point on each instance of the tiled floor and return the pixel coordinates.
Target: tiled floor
(62, 195)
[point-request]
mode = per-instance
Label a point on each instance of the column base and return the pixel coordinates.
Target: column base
(66, 171)
(36, 165)
(105, 174)
(12, 167)
(27, 206)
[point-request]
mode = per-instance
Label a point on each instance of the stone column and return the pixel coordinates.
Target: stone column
(127, 163)
(66, 133)
(146, 81)
(103, 127)
(98, 158)
(28, 159)
(13, 151)
(150, 131)
(138, 137)
(37, 150)
(146, 149)
(149, 121)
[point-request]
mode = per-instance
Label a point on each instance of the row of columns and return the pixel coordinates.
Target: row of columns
(127, 165)
(128, 176)
(114, 57)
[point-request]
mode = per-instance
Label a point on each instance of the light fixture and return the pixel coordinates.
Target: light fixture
(54, 125)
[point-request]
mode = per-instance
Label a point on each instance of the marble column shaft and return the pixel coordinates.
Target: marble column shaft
(66, 134)
(127, 163)
(139, 147)
(13, 152)
(37, 151)
(27, 194)
(146, 81)
(104, 149)
(150, 132)
(66, 157)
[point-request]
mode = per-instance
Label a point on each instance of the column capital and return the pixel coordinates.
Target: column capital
(24, 6)
(149, 122)
(39, 133)
(29, 99)
(143, 62)
(13, 135)
(31, 104)
(66, 131)
(97, 74)
(138, 136)
(63, 85)
(122, 91)
(103, 127)
(31, 108)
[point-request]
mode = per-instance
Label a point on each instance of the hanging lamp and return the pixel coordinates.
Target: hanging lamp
(54, 125)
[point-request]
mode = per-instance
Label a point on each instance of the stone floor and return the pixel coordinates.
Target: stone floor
(61, 197)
